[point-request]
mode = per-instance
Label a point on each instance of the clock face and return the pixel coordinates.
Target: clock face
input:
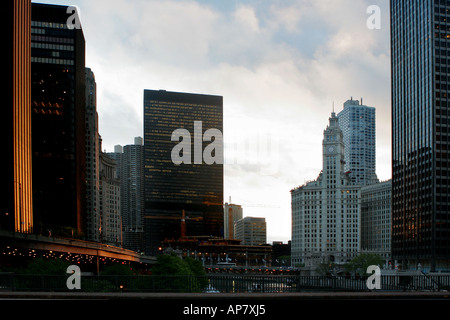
(330, 149)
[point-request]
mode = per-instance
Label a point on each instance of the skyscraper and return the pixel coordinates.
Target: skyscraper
(326, 212)
(58, 121)
(171, 187)
(16, 207)
(376, 219)
(420, 133)
(109, 202)
(130, 172)
(231, 214)
(357, 123)
(251, 230)
(93, 150)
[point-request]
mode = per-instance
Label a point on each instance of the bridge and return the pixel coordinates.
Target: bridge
(16, 247)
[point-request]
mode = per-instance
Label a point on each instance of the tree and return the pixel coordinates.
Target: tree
(117, 269)
(170, 264)
(197, 269)
(195, 266)
(359, 264)
(46, 266)
(189, 273)
(325, 268)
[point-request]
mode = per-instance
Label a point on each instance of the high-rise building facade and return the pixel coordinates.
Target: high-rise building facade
(109, 202)
(326, 212)
(92, 160)
(251, 230)
(420, 133)
(16, 207)
(231, 214)
(170, 186)
(58, 122)
(130, 170)
(357, 123)
(376, 219)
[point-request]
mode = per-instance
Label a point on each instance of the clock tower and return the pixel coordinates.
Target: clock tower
(333, 151)
(326, 212)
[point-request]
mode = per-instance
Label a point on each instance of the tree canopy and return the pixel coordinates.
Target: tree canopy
(359, 264)
(171, 264)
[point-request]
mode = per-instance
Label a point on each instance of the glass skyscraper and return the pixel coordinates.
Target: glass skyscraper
(357, 123)
(16, 203)
(169, 188)
(58, 106)
(420, 38)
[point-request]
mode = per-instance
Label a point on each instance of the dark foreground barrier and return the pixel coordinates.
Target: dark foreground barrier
(224, 283)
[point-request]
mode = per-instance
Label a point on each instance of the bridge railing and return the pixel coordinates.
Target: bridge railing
(228, 283)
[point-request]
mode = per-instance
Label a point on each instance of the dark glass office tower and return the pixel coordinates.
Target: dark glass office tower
(169, 189)
(16, 207)
(420, 38)
(58, 121)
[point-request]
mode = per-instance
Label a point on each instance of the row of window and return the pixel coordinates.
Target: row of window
(52, 61)
(45, 24)
(51, 46)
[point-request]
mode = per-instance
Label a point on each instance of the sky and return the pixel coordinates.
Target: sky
(280, 66)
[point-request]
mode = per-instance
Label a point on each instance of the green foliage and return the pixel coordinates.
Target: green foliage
(195, 266)
(117, 269)
(325, 268)
(170, 265)
(46, 266)
(359, 264)
(198, 271)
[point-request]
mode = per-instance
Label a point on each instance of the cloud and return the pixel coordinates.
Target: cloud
(245, 16)
(278, 64)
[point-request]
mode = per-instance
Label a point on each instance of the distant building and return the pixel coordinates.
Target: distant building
(326, 212)
(218, 254)
(130, 170)
(376, 219)
(357, 123)
(281, 253)
(109, 204)
(92, 160)
(193, 186)
(251, 230)
(231, 214)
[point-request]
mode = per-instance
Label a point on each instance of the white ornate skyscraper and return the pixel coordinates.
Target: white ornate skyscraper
(326, 212)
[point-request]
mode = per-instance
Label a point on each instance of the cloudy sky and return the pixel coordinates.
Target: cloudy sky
(279, 64)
